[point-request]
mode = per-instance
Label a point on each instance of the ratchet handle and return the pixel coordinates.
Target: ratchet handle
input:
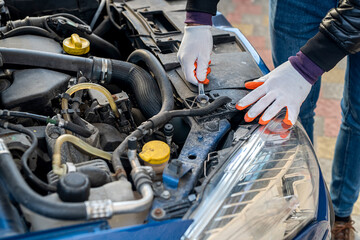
(206, 81)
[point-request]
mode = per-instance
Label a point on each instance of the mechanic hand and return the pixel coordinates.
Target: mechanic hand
(283, 87)
(196, 46)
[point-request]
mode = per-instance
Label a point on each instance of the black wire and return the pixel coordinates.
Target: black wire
(84, 132)
(24, 115)
(27, 153)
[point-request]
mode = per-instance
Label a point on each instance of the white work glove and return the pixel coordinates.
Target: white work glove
(196, 46)
(283, 87)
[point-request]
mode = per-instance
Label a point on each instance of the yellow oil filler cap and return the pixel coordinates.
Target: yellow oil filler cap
(76, 45)
(155, 152)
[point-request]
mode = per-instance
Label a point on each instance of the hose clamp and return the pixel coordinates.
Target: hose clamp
(99, 209)
(104, 70)
(5, 113)
(69, 111)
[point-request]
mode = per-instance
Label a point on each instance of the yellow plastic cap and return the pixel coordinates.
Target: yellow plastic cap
(155, 152)
(76, 45)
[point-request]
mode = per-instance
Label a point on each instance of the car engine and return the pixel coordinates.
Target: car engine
(98, 118)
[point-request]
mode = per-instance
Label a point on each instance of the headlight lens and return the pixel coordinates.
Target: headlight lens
(268, 189)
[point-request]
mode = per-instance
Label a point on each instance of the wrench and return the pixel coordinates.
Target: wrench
(202, 98)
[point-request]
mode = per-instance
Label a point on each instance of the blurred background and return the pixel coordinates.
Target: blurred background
(251, 17)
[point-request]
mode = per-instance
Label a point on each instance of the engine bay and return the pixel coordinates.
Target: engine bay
(99, 119)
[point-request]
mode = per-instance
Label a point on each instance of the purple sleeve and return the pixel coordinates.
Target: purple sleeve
(198, 18)
(307, 68)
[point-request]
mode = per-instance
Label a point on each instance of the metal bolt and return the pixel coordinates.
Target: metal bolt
(158, 213)
(230, 105)
(192, 197)
(165, 194)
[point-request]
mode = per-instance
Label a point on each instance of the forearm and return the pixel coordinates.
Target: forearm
(338, 36)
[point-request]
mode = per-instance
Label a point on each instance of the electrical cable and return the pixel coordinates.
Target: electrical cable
(64, 124)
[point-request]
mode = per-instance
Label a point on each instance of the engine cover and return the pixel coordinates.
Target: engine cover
(34, 88)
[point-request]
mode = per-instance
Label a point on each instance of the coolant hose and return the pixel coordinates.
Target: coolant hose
(160, 75)
(164, 117)
(103, 27)
(60, 169)
(76, 104)
(117, 72)
(24, 195)
(101, 46)
(82, 86)
(62, 62)
(140, 81)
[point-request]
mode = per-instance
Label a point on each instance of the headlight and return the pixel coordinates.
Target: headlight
(268, 189)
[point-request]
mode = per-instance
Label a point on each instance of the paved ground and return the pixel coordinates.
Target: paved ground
(251, 17)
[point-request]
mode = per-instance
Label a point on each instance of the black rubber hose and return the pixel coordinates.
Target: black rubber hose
(84, 132)
(109, 13)
(70, 16)
(140, 81)
(77, 129)
(24, 195)
(159, 73)
(24, 57)
(146, 91)
(7, 113)
(164, 117)
(103, 27)
(97, 176)
(220, 101)
(101, 46)
(24, 158)
(28, 30)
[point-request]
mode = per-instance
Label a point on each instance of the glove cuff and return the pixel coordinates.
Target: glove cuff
(199, 18)
(305, 67)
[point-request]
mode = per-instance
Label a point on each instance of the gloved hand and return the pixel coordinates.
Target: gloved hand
(196, 46)
(283, 87)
